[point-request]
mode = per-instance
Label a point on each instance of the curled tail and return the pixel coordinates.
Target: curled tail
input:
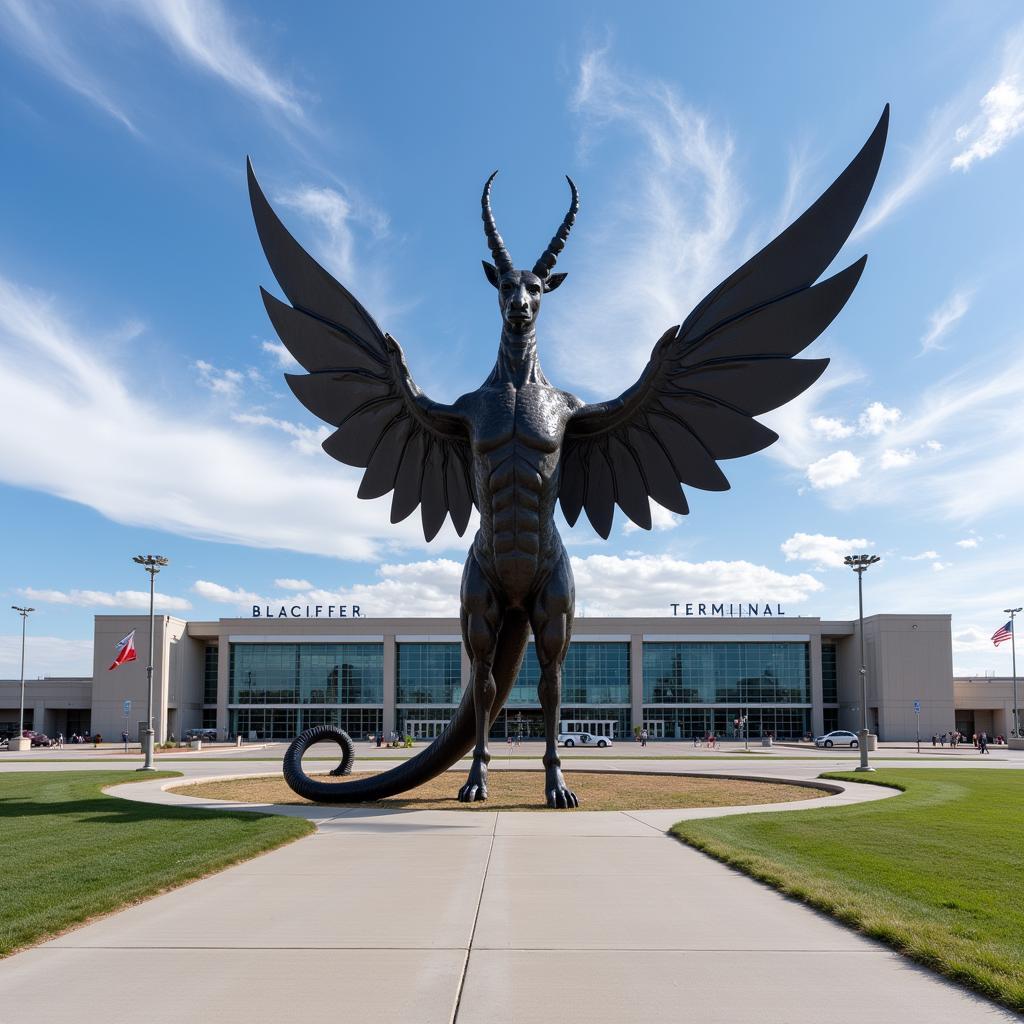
(455, 741)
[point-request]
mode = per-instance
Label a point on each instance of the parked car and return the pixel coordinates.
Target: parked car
(39, 739)
(837, 738)
(583, 739)
(200, 734)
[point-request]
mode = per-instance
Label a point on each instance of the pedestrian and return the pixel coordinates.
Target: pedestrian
(935, 740)
(983, 743)
(643, 737)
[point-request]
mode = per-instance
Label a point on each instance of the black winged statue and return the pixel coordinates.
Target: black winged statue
(518, 445)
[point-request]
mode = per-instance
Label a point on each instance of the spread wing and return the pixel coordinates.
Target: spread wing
(358, 382)
(731, 360)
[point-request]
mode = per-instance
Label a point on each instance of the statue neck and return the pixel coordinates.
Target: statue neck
(517, 362)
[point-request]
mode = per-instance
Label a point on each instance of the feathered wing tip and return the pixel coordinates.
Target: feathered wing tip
(502, 260)
(543, 267)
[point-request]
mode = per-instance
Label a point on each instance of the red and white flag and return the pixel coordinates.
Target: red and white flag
(125, 651)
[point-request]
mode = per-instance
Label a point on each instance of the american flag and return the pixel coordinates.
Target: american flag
(1003, 633)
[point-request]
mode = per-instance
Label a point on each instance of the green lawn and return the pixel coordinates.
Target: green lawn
(937, 873)
(69, 852)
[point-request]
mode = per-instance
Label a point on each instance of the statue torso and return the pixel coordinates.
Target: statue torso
(516, 438)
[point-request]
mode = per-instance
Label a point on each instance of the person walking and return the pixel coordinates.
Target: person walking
(935, 740)
(983, 743)
(643, 737)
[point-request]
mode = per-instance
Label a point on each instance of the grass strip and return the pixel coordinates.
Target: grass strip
(936, 873)
(69, 852)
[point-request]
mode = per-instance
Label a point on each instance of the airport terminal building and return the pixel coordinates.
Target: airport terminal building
(271, 676)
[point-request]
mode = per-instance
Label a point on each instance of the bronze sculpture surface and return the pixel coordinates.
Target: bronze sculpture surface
(518, 445)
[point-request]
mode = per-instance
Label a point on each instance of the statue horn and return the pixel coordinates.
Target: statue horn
(543, 267)
(502, 260)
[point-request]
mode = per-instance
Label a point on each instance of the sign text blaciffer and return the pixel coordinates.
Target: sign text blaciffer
(309, 611)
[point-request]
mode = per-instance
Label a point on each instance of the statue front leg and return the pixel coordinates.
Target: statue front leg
(480, 625)
(551, 619)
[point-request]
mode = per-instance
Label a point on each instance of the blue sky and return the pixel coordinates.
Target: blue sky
(140, 382)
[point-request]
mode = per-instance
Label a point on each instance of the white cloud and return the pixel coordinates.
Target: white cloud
(95, 431)
(607, 585)
(822, 550)
(972, 638)
(306, 439)
(943, 319)
(290, 584)
(224, 595)
(38, 37)
(612, 585)
(893, 459)
(672, 220)
(834, 470)
(133, 600)
(201, 32)
(44, 656)
(877, 418)
(661, 519)
(284, 359)
(940, 566)
(1000, 120)
(831, 428)
(226, 383)
(934, 446)
(968, 542)
(929, 555)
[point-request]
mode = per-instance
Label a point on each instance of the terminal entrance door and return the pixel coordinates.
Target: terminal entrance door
(425, 728)
(655, 730)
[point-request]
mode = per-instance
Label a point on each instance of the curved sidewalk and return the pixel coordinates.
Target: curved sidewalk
(497, 917)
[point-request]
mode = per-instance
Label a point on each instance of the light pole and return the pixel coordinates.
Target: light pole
(152, 564)
(859, 564)
(24, 613)
(1012, 612)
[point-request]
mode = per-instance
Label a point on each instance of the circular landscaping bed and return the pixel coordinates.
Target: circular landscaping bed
(512, 790)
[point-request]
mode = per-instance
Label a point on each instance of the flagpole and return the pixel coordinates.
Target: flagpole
(152, 564)
(1012, 612)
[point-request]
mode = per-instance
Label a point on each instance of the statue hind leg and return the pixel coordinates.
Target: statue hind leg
(551, 616)
(481, 623)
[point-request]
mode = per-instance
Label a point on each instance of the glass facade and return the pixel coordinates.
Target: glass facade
(210, 660)
(428, 673)
(307, 673)
(693, 672)
(286, 723)
(678, 723)
(593, 674)
(829, 674)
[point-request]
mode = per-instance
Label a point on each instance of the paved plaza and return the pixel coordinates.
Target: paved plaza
(483, 918)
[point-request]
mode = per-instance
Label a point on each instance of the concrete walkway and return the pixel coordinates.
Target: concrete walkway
(478, 918)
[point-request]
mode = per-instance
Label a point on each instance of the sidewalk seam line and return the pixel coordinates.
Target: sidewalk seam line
(476, 919)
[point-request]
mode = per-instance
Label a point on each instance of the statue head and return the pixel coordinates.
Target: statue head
(520, 291)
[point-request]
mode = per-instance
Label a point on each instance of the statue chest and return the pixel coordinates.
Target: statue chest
(533, 416)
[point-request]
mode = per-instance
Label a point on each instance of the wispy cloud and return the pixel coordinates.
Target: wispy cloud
(661, 519)
(894, 458)
(284, 359)
(204, 34)
(97, 429)
(955, 137)
(943, 319)
(822, 550)
(200, 33)
(134, 600)
(1001, 117)
(670, 227)
(45, 656)
(32, 29)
